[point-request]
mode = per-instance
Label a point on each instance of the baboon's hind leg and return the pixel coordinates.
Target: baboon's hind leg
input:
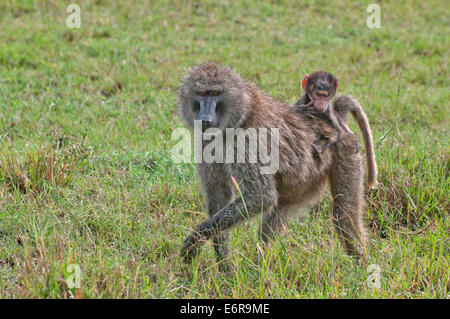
(272, 223)
(346, 182)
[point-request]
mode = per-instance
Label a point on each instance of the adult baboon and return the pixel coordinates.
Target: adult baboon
(219, 97)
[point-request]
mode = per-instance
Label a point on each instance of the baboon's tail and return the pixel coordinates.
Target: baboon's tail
(342, 105)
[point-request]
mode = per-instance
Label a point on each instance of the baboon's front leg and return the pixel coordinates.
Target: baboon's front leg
(221, 241)
(218, 193)
(258, 193)
(217, 224)
(347, 190)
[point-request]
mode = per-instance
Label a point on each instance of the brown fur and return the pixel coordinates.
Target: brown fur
(321, 86)
(300, 181)
(329, 131)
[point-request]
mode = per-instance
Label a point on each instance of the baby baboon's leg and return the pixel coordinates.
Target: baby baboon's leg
(329, 134)
(322, 144)
(346, 181)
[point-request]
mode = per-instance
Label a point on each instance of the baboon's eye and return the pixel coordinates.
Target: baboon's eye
(215, 93)
(202, 93)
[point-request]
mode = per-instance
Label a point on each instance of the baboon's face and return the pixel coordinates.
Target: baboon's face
(321, 87)
(208, 107)
(214, 95)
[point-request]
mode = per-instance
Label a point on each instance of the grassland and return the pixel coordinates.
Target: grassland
(86, 176)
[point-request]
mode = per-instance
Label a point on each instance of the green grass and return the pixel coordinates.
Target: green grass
(86, 175)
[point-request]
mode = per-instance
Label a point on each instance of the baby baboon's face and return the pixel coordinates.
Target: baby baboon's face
(320, 87)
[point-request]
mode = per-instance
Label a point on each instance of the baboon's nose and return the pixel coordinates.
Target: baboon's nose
(206, 124)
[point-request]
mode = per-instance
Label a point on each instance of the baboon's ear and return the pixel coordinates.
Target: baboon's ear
(305, 80)
(337, 83)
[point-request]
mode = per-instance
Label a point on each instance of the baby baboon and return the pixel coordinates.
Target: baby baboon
(220, 98)
(320, 87)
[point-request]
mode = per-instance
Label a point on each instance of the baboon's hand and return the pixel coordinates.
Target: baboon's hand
(190, 248)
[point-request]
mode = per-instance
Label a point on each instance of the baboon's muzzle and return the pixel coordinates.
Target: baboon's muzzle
(207, 113)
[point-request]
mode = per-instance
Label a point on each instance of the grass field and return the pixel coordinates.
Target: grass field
(86, 176)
